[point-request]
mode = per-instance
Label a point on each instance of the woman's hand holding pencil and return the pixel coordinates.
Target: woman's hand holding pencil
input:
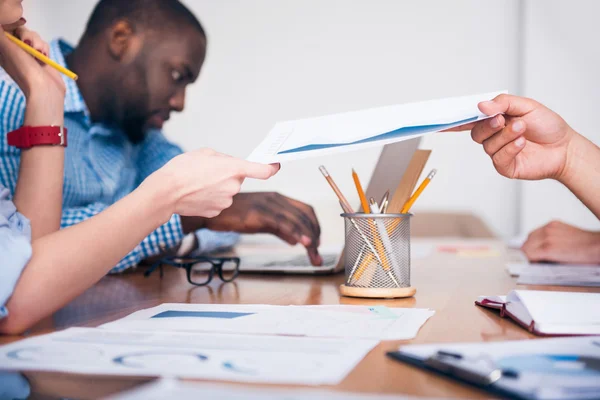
(41, 85)
(30, 42)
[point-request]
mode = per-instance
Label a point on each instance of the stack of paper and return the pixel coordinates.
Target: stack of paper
(555, 274)
(266, 359)
(320, 136)
(310, 345)
(335, 321)
(172, 389)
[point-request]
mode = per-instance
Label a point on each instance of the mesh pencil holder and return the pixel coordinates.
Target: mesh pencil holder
(377, 256)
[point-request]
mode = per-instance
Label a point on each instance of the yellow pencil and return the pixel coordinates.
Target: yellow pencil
(41, 57)
(376, 238)
(361, 193)
(418, 192)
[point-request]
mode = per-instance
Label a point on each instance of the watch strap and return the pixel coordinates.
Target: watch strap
(28, 136)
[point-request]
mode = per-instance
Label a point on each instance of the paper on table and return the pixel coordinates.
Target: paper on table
(311, 137)
(173, 389)
(242, 358)
(521, 268)
(334, 321)
(560, 309)
(555, 274)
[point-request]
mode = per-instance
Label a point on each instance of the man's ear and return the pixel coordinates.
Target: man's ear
(124, 42)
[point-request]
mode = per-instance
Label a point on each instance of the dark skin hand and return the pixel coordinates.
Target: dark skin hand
(291, 220)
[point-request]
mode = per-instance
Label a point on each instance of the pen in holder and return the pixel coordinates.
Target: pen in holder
(377, 256)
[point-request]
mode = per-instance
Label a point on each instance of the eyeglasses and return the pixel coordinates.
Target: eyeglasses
(200, 270)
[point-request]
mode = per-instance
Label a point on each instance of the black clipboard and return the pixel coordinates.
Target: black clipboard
(455, 367)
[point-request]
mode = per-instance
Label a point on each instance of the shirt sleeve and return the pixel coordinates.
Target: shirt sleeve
(12, 114)
(156, 152)
(168, 235)
(15, 247)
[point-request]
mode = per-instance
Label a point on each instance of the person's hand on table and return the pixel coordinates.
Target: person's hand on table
(290, 220)
(526, 141)
(562, 243)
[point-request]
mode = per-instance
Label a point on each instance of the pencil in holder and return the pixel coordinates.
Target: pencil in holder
(377, 256)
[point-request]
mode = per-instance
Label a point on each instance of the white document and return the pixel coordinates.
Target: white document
(173, 389)
(544, 369)
(289, 360)
(555, 274)
(312, 137)
(550, 312)
(357, 322)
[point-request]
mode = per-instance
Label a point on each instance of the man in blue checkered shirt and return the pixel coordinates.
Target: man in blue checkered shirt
(135, 60)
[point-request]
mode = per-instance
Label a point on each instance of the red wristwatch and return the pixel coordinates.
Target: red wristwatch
(29, 136)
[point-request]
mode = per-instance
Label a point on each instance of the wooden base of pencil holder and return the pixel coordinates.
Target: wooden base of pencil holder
(377, 293)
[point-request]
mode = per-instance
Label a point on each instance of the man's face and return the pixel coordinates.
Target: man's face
(157, 79)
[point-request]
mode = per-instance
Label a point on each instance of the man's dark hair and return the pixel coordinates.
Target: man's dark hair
(149, 14)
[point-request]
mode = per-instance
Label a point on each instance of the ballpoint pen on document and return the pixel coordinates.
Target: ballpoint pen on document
(418, 192)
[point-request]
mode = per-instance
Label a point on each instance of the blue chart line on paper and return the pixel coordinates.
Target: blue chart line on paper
(200, 314)
(147, 359)
(244, 358)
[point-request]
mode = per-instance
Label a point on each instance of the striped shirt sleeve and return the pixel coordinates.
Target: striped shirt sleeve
(155, 153)
(12, 114)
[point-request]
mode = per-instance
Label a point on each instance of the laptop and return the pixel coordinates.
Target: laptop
(293, 260)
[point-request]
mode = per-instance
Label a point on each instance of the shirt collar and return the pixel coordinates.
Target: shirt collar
(74, 102)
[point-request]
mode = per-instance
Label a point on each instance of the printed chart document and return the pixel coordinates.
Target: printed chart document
(544, 369)
(173, 389)
(320, 136)
(549, 312)
(555, 274)
(334, 321)
(289, 360)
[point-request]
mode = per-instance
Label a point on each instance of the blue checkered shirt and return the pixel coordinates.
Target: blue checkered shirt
(101, 165)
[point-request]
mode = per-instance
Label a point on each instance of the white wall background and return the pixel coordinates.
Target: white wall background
(561, 65)
(270, 60)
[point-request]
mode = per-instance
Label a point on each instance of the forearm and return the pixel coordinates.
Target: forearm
(582, 172)
(67, 262)
(38, 193)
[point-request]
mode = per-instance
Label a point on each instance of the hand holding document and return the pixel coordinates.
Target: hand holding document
(312, 137)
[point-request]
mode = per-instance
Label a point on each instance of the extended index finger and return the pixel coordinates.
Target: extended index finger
(257, 171)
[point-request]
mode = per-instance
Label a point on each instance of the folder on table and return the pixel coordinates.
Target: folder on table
(548, 313)
(539, 369)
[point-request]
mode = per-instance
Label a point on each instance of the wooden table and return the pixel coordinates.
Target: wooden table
(447, 283)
